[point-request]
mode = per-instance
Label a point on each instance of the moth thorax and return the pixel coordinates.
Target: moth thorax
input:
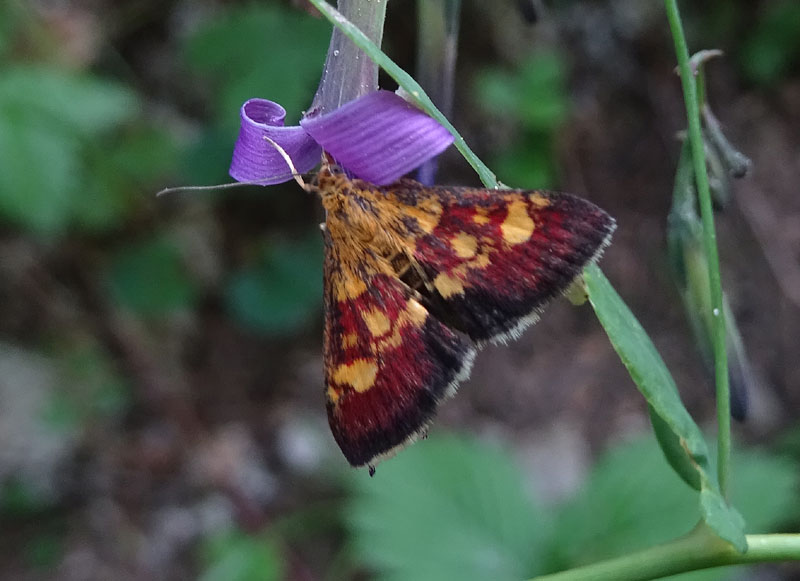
(364, 227)
(354, 217)
(332, 200)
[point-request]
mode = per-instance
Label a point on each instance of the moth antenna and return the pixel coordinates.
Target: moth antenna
(205, 188)
(297, 177)
(227, 186)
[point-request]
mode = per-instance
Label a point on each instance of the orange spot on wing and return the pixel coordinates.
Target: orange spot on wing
(359, 374)
(347, 286)
(377, 322)
(518, 225)
(464, 245)
(481, 216)
(448, 285)
(538, 201)
(413, 315)
(426, 213)
(349, 340)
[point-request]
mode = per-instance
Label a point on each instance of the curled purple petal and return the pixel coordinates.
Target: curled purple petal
(378, 137)
(255, 159)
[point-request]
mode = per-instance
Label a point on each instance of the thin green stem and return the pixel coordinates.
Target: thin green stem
(407, 82)
(710, 243)
(700, 549)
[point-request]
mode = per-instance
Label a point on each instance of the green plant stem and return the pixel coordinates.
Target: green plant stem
(408, 83)
(700, 549)
(710, 243)
(348, 73)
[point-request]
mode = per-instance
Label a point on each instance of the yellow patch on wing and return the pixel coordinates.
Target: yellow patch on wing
(538, 201)
(359, 374)
(349, 340)
(454, 282)
(518, 225)
(481, 216)
(464, 245)
(426, 212)
(377, 322)
(448, 285)
(415, 312)
(414, 315)
(333, 395)
(346, 286)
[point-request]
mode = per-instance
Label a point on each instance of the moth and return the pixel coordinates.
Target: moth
(417, 279)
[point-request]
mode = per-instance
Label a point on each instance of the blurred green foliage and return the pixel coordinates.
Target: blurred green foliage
(772, 47)
(252, 51)
(238, 556)
(454, 508)
(634, 500)
(535, 98)
(260, 51)
(45, 550)
(281, 290)
(446, 509)
(150, 278)
(7, 25)
(19, 498)
(57, 126)
(89, 388)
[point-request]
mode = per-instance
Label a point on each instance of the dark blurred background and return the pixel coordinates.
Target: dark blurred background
(161, 392)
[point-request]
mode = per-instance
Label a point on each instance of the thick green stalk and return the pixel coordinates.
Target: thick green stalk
(348, 72)
(700, 549)
(710, 244)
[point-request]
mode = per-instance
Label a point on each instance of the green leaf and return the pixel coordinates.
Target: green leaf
(446, 509)
(44, 550)
(237, 556)
(150, 279)
(9, 19)
(631, 501)
(81, 104)
(773, 46)
(35, 193)
(766, 489)
(145, 153)
(120, 174)
(644, 364)
(19, 499)
(207, 159)
(674, 452)
(50, 119)
(654, 381)
(722, 519)
(88, 388)
(261, 51)
(529, 164)
(281, 292)
(535, 95)
(544, 100)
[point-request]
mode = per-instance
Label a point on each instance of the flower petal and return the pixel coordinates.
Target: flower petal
(255, 159)
(378, 137)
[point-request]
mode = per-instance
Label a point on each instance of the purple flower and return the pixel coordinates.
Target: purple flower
(378, 137)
